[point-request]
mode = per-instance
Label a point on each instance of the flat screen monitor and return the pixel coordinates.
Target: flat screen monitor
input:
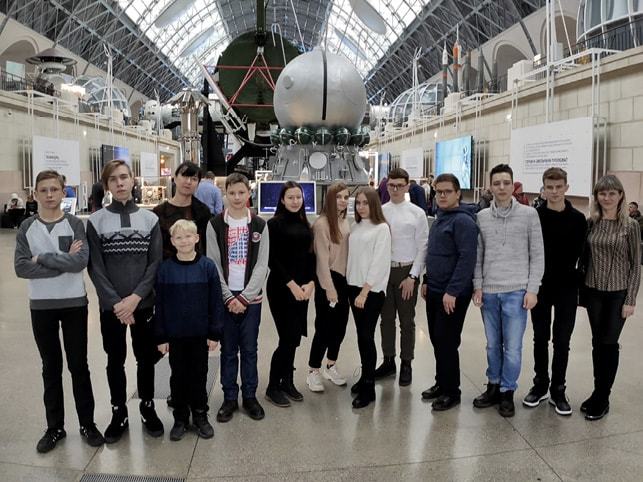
(268, 196)
(109, 153)
(455, 156)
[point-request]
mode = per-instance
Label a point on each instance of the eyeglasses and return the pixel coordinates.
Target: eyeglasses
(446, 192)
(396, 187)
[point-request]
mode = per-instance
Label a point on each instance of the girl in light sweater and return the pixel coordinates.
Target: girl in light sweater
(330, 234)
(369, 264)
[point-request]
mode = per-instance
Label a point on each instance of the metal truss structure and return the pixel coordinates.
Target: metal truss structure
(150, 55)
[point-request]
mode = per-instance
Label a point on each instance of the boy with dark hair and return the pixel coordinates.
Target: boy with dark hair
(188, 330)
(564, 229)
(52, 252)
(239, 245)
(125, 251)
(509, 266)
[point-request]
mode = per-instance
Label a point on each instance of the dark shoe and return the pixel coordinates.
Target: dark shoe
(151, 422)
(49, 440)
(365, 396)
(406, 373)
(356, 387)
(587, 403)
(277, 397)
(386, 369)
(445, 402)
(431, 393)
(178, 430)
(170, 402)
(91, 435)
(227, 410)
(597, 410)
(490, 397)
(506, 407)
(253, 409)
(117, 426)
(202, 424)
(560, 402)
(288, 388)
(536, 395)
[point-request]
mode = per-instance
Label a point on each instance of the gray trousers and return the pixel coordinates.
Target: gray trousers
(395, 306)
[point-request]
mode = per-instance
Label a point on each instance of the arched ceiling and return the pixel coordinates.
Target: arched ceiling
(159, 44)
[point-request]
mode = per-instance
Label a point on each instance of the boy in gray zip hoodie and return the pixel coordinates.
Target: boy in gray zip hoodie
(509, 267)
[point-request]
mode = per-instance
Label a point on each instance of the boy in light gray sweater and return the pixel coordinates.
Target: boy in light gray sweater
(509, 268)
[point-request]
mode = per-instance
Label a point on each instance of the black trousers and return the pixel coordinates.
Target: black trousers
(563, 300)
(290, 318)
(365, 323)
(445, 332)
(145, 351)
(189, 364)
(46, 325)
(330, 323)
(604, 312)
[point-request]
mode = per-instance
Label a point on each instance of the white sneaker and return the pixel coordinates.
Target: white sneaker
(333, 375)
(314, 381)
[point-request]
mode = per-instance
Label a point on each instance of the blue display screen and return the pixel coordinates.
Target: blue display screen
(454, 156)
(269, 196)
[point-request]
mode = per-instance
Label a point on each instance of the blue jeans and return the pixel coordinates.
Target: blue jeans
(505, 321)
(240, 333)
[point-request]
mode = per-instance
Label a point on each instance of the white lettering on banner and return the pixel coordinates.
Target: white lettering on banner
(61, 155)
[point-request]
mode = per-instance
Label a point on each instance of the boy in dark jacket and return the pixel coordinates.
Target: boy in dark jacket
(188, 330)
(448, 286)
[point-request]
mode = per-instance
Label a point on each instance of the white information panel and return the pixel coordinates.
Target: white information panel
(149, 165)
(566, 144)
(61, 155)
(412, 161)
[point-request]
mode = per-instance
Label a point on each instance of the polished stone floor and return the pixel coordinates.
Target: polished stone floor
(323, 438)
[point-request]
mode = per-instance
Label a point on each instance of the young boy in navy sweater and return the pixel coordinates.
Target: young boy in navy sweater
(188, 330)
(52, 252)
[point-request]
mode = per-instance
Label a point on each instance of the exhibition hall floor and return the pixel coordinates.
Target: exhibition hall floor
(323, 438)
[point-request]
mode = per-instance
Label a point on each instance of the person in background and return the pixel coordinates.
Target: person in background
(367, 274)
(613, 277)
(330, 235)
(209, 194)
(429, 192)
(31, 206)
(290, 285)
(97, 196)
(382, 191)
(52, 253)
(417, 195)
(15, 210)
(541, 199)
(136, 192)
(447, 287)
(69, 190)
(519, 195)
(485, 199)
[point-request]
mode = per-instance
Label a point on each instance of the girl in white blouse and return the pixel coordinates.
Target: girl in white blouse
(369, 264)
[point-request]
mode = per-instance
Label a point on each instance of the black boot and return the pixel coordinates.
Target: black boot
(506, 407)
(118, 425)
(287, 386)
(356, 387)
(600, 405)
(202, 424)
(366, 394)
(387, 368)
(277, 397)
(406, 373)
(490, 397)
(151, 421)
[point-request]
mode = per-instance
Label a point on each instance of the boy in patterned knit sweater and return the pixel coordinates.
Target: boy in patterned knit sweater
(188, 330)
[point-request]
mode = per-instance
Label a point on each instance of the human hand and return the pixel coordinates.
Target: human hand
(164, 348)
(236, 307)
(423, 290)
(127, 319)
(331, 296)
(448, 302)
(127, 306)
(530, 301)
(360, 300)
(75, 246)
(212, 345)
(407, 286)
(627, 311)
(477, 298)
(308, 289)
(296, 291)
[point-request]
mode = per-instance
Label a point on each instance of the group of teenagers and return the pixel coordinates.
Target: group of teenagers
(185, 281)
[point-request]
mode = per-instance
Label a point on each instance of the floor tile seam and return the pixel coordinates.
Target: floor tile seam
(600, 437)
(379, 466)
(71, 469)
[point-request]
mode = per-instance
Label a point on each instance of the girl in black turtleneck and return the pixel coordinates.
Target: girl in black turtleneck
(290, 286)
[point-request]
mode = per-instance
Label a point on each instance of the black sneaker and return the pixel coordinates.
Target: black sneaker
(277, 397)
(506, 407)
(178, 430)
(202, 425)
(490, 397)
(289, 389)
(91, 435)
(356, 386)
(151, 422)
(406, 373)
(561, 404)
(50, 439)
(536, 395)
(431, 393)
(445, 402)
(227, 410)
(253, 408)
(118, 425)
(387, 368)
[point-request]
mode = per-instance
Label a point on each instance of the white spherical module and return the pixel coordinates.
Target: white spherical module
(320, 89)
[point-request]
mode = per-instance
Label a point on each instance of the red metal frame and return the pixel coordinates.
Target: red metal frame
(264, 71)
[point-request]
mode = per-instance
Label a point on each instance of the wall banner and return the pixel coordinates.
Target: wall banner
(61, 155)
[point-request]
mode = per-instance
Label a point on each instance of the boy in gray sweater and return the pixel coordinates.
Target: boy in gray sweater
(52, 252)
(509, 267)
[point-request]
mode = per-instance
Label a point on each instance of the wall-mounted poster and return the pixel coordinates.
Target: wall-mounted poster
(412, 161)
(61, 155)
(149, 165)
